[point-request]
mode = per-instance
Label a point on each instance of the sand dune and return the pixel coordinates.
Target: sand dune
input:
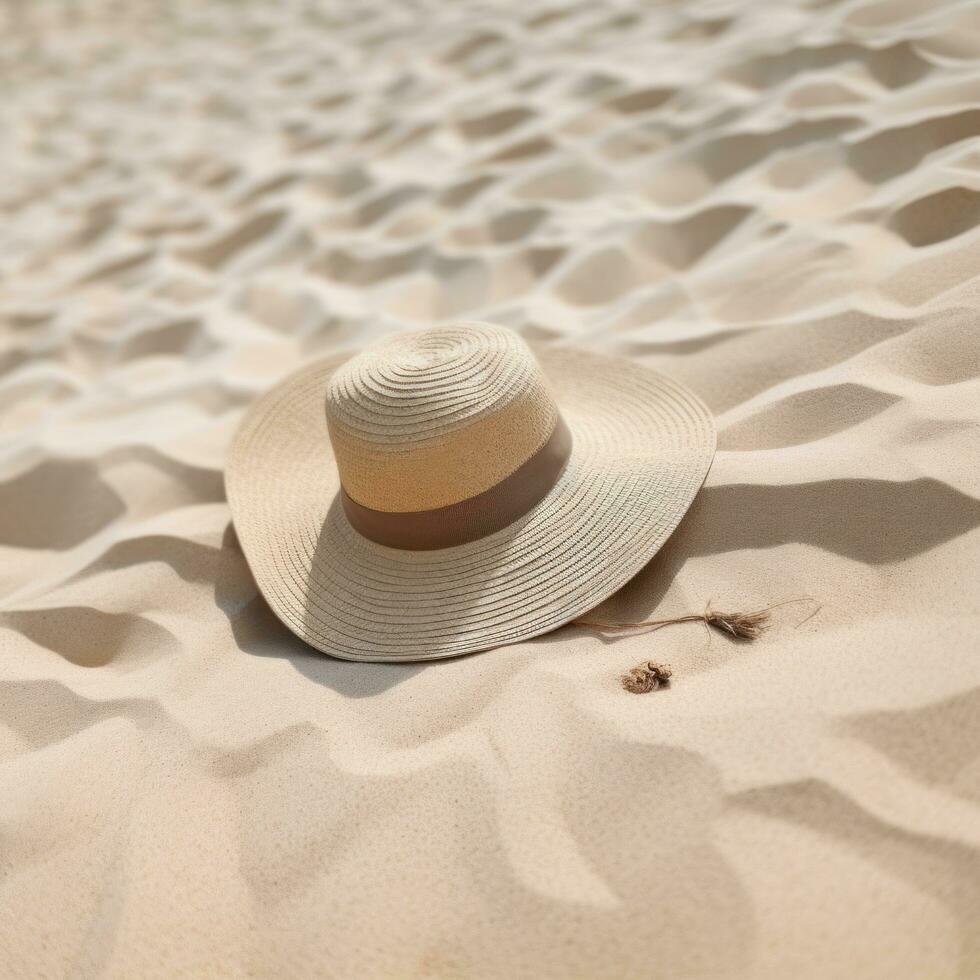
(776, 203)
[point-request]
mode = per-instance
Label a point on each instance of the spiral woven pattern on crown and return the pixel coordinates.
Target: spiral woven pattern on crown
(418, 386)
(433, 417)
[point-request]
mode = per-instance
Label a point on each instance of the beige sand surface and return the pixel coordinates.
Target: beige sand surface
(775, 202)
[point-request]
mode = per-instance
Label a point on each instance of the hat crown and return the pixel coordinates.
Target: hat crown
(429, 418)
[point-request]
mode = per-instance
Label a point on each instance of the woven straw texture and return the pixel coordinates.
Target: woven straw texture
(432, 417)
(642, 446)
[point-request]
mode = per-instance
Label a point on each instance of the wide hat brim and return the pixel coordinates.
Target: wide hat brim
(642, 445)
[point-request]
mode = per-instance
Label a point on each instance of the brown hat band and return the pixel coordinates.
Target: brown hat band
(473, 518)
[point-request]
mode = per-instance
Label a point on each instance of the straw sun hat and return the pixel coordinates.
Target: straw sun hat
(446, 490)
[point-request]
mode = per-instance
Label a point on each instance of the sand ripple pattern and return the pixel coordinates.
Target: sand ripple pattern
(776, 203)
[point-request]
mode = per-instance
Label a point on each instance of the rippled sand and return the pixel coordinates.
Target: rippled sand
(778, 204)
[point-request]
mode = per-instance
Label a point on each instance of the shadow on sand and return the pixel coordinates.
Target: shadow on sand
(871, 521)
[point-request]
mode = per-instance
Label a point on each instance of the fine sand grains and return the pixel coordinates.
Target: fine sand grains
(777, 204)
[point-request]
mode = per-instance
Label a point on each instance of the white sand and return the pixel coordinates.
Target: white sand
(777, 203)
